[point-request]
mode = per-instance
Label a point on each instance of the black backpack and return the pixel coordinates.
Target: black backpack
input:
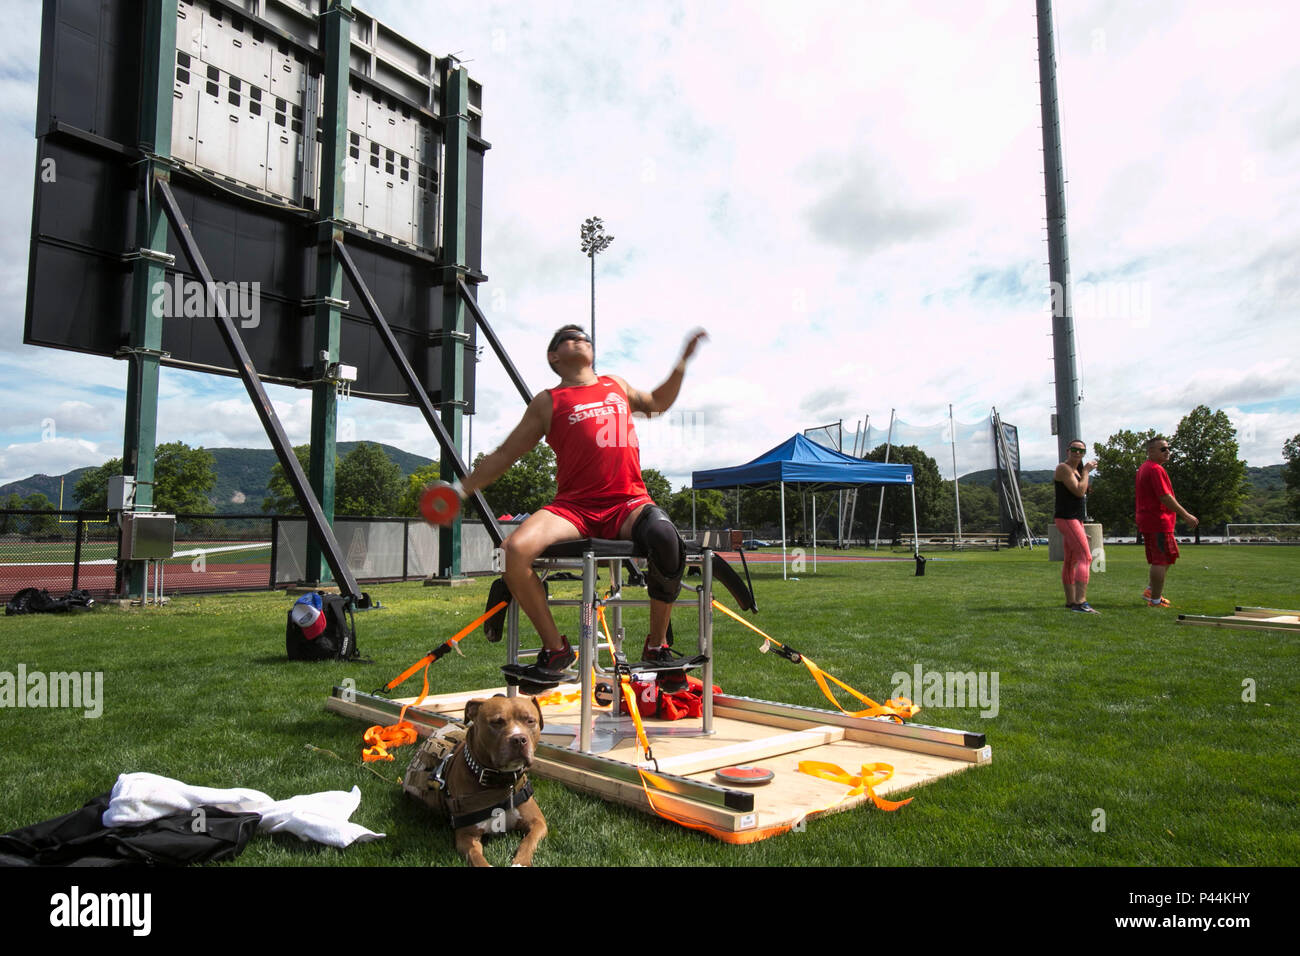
(40, 601)
(338, 642)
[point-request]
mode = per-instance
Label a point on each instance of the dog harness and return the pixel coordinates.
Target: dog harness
(426, 781)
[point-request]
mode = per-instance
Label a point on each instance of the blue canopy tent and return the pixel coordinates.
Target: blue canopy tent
(811, 466)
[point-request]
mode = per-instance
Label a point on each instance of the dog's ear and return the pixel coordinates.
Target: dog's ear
(541, 724)
(471, 709)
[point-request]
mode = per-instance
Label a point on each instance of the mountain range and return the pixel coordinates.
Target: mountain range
(242, 477)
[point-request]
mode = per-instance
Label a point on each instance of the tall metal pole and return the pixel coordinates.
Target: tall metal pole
(1058, 254)
(880, 511)
(858, 454)
(956, 489)
(594, 242)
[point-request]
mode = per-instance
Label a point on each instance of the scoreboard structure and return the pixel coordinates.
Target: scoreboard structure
(280, 190)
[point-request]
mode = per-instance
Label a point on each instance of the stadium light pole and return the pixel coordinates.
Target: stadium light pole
(1064, 357)
(594, 242)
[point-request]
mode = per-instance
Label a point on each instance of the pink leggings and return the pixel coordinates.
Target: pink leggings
(1078, 557)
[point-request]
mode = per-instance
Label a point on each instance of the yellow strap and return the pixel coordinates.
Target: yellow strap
(896, 709)
(872, 775)
(625, 685)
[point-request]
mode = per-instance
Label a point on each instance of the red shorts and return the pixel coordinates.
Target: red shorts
(1162, 547)
(598, 518)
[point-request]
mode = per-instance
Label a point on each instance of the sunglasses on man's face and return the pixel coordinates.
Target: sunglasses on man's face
(1077, 451)
(1163, 448)
(568, 337)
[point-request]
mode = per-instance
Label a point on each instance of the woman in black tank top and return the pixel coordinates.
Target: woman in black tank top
(1073, 478)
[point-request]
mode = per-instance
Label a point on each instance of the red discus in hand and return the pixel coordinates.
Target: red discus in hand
(440, 503)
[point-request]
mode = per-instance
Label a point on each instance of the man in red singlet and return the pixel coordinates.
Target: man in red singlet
(586, 419)
(1157, 510)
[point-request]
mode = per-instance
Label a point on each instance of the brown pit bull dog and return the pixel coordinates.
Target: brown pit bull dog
(476, 776)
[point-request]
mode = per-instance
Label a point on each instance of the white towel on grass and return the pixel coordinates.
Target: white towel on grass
(323, 817)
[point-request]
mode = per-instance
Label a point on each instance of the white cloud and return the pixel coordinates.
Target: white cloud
(849, 197)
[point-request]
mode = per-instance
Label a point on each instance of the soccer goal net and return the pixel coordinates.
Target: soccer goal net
(1262, 534)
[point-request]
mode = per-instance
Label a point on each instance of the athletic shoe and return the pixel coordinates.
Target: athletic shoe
(1163, 602)
(670, 682)
(1086, 608)
(1147, 594)
(552, 663)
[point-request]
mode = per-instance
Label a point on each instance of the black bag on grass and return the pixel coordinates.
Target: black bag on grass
(320, 627)
(40, 601)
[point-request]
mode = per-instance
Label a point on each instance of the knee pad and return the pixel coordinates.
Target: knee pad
(656, 534)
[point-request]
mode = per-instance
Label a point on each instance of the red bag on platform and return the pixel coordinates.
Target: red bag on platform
(653, 702)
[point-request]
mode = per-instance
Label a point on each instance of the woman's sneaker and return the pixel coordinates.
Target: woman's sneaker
(1085, 607)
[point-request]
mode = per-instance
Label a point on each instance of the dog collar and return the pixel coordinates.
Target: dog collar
(489, 777)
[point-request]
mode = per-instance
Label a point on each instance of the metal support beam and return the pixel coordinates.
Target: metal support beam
(155, 137)
(445, 442)
(316, 521)
(455, 112)
(337, 22)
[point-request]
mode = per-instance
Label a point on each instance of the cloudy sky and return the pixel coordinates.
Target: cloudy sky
(847, 196)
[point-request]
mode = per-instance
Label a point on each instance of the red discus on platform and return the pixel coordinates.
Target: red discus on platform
(745, 776)
(439, 503)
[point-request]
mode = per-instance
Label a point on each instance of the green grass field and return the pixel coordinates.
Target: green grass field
(1126, 713)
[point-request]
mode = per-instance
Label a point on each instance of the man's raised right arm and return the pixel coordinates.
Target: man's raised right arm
(531, 429)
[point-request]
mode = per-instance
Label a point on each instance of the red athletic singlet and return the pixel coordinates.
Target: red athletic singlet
(597, 456)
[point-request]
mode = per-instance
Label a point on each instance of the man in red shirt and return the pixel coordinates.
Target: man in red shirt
(1157, 509)
(586, 419)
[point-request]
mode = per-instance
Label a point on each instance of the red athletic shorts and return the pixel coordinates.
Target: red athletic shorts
(598, 518)
(1162, 547)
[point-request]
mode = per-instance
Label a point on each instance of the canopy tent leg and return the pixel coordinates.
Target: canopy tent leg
(916, 535)
(814, 529)
(783, 576)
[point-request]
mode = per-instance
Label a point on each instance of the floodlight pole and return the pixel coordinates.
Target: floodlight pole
(1064, 359)
(594, 242)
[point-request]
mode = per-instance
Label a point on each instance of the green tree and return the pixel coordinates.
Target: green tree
(1209, 479)
(416, 482)
(1040, 504)
(931, 512)
(979, 509)
(1111, 499)
(183, 476)
(40, 522)
(710, 512)
(282, 500)
(527, 485)
(91, 490)
(658, 488)
(1291, 474)
(368, 483)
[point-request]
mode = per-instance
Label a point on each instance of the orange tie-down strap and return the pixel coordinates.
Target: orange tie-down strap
(896, 708)
(380, 740)
(872, 775)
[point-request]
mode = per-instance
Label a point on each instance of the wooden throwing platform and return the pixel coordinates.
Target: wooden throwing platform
(1249, 619)
(746, 731)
